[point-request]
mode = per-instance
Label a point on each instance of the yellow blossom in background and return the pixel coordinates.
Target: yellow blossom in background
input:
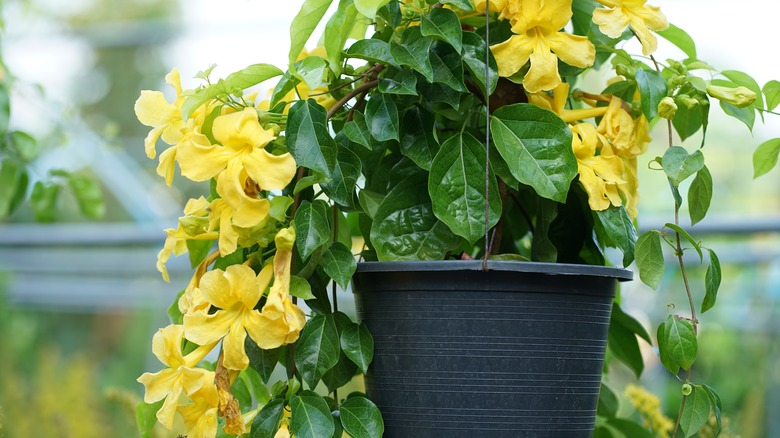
(649, 407)
(167, 165)
(494, 5)
(190, 228)
(600, 175)
(163, 117)
(200, 417)
(181, 378)
(642, 18)
(536, 25)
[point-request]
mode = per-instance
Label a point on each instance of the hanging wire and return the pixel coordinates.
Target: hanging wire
(487, 136)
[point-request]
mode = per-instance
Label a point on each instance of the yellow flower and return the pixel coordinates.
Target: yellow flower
(600, 175)
(649, 407)
(166, 167)
(536, 25)
(178, 380)
(618, 127)
(154, 111)
(200, 417)
(557, 104)
(635, 13)
(494, 5)
(195, 213)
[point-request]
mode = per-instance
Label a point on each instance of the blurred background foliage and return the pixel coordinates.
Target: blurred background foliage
(80, 302)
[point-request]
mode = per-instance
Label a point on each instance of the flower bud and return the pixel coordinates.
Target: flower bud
(687, 100)
(740, 96)
(687, 389)
(667, 108)
(624, 70)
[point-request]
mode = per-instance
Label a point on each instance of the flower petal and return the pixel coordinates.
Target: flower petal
(202, 328)
(572, 49)
(151, 140)
(512, 54)
(199, 160)
(166, 345)
(271, 172)
(159, 385)
(216, 288)
(167, 166)
(153, 110)
(244, 284)
(233, 346)
(543, 74)
(611, 22)
(195, 379)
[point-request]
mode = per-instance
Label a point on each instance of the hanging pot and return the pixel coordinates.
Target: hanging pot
(516, 351)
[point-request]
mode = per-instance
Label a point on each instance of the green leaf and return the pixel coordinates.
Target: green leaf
(358, 345)
(308, 139)
(369, 8)
(198, 250)
(300, 288)
(337, 31)
(696, 411)
(652, 88)
(372, 50)
(536, 146)
(240, 80)
(312, 228)
(146, 417)
(456, 185)
(765, 157)
(13, 186)
(688, 237)
(344, 370)
(678, 165)
(346, 172)
(279, 207)
(700, 195)
(687, 121)
(463, 5)
(418, 141)
(413, 52)
(357, 131)
(262, 361)
(309, 181)
(339, 263)
(745, 80)
(650, 258)
(622, 339)
(174, 314)
(361, 418)
(608, 402)
(677, 344)
(5, 109)
(616, 229)
(267, 421)
(443, 24)
(382, 117)
(771, 92)
(369, 202)
(234, 258)
(401, 81)
(24, 145)
(317, 349)
(474, 48)
(542, 248)
(252, 380)
(313, 71)
(447, 68)
(744, 115)
(286, 84)
(711, 282)
(88, 195)
(628, 429)
(303, 25)
(311, 416)
(716, 406)
(44, 201)
(679, 38)
(405, 227)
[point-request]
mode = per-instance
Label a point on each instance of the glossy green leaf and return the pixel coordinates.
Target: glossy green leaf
(745, 80)
(262, 361)
(267, 421)
(240, 80)
(317, 349)
(399, 82)
(344, 177)
(308, 139)
(372, 50)
(413, 52)
(608, 402)
(313, 71)
(24, 145)
(286, 84)
(44, 201)
(456, 185)
(652, 88)
(677, 344)
(357, 131)
(765, 157)
(696, 411)
(369, 8)
(358, 345)
(382, 117)
(715, 405)
(279, 207)
(418, 141)
(711, 282)
(474, 48)
(649, 258)
(88, 195)
(337, 31)
(312, 228)
(260, 392)
(622, 339)
(303, 25)
(771, 92)
(616, 229)
(463, 5)
(744, 115)
(685, 235)
(344, 370)
(361, 418)
(308, 181)
(679, 165)
(700, 195)
(300, 288)
(369, 202)
(339, 263)
(447, 68)
(679, 38)
(405, 227)
(536, 146)
(688, 121)
(310, 416)
(146, 417)
(443, 24)
(5, 109)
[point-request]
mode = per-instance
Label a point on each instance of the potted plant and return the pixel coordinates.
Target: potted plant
(451, 140)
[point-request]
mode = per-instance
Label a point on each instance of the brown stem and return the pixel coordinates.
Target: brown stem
(679, 415)
(343, 101)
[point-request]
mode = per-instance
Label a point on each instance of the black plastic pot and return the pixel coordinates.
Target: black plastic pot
(516, 351)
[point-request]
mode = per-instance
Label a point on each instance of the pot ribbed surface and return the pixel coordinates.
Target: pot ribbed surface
(504, 353)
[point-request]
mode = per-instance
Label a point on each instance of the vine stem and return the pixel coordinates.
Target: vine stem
(358, 90)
